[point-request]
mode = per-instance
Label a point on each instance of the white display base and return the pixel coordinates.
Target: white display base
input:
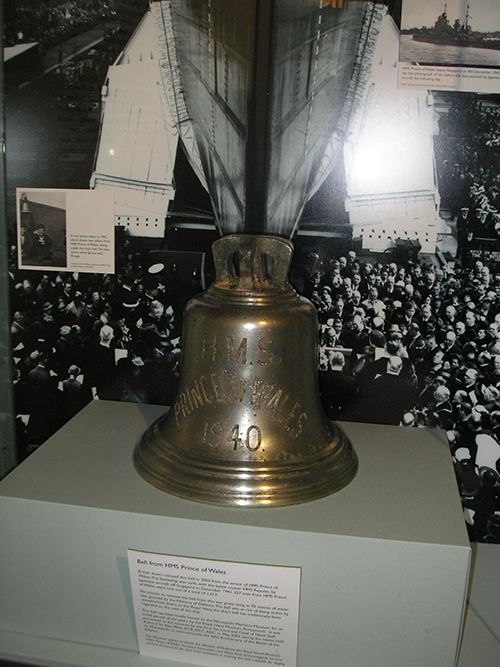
(384, 562)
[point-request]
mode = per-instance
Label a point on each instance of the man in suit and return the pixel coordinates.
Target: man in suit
(439, 413)
(338, 389)
(464, 228)
(386, 398)
(451, 346)
(43, 401)
(75, 396)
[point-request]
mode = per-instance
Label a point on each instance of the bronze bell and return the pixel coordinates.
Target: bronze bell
(247, 427)
(25, 207)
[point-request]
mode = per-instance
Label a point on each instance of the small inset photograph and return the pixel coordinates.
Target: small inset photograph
(41, 227)
(465, 34)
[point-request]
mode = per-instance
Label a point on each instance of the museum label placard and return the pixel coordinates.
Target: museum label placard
(215, 613)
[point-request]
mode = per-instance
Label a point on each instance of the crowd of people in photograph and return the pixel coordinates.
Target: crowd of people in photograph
(51, 21)
(78, 337)
(468, 153)
(415, 344)
(404, 343)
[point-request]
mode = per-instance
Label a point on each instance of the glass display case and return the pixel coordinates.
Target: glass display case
(8, 457)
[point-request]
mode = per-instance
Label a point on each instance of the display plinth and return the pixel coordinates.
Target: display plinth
(384, 562)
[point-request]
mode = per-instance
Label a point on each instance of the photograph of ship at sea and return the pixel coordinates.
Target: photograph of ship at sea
(452, 33)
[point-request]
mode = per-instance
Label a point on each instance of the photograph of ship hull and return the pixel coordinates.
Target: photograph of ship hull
(455, 33)
(414, 159)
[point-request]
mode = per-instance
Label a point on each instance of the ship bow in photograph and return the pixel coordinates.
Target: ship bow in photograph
(267, 89)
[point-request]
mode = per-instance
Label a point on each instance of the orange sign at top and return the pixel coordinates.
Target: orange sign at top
(336, 4)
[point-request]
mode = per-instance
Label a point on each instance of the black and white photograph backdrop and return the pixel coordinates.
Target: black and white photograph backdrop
(397, 234)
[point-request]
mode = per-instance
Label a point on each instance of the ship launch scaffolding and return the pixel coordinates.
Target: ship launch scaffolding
(392, 189)
(138, 140)
(356, 92)
(171, 84)
(183, 78)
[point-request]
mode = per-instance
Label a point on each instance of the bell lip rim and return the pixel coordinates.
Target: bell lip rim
(233, 498)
